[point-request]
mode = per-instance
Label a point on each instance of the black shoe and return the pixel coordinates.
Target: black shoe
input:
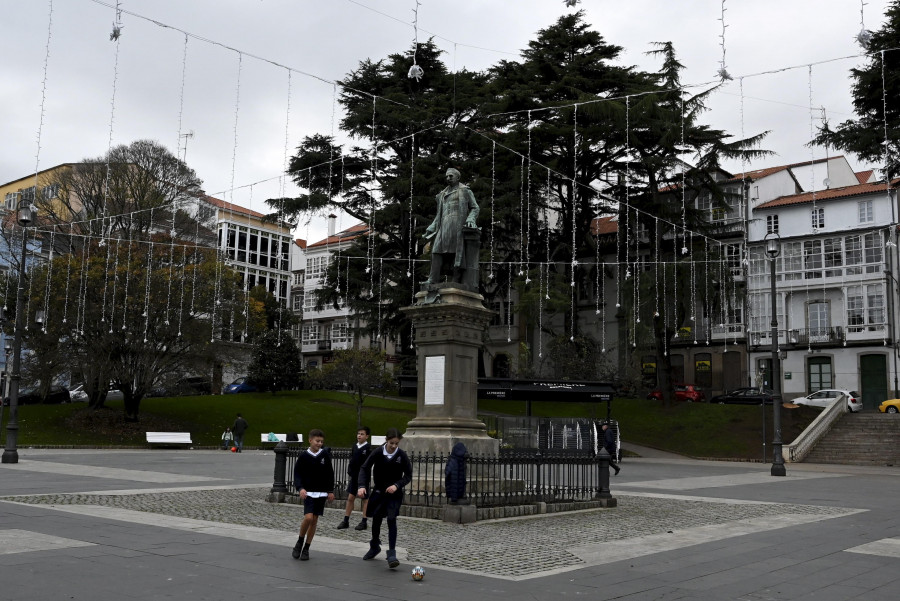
(374, 549)
(304, 554)
(343, 525)
(298, 549)
(617, 468)
(360, 526)
(392, 560)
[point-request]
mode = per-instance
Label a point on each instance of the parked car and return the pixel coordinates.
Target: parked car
(746, 396)
(682, 392)
(823, 398)
(240, 385)
(890, 406)
(187, 386)
(56, 394)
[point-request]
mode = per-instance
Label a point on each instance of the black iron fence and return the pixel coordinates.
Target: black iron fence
(514, 477)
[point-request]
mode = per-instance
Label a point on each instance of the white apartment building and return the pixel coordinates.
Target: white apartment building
(258, 250)
(328, 329)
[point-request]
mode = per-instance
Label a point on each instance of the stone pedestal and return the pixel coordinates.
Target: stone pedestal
(449, 323)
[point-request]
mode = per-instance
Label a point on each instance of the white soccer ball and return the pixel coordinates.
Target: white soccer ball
(418, 573)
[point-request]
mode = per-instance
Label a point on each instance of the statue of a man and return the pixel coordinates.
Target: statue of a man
(456, 213)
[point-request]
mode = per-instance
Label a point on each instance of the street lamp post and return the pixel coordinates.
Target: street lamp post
(773, 249)
(26, 214)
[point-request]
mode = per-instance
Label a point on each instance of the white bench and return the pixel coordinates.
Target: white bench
(169, 438)
(280, 437)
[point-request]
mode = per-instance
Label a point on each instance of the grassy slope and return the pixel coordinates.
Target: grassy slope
(700, 430)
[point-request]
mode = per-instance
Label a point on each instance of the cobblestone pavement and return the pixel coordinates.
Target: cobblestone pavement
(509, 547)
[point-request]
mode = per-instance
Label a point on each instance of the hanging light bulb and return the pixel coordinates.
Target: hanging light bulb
(684, 250)
(656, 314)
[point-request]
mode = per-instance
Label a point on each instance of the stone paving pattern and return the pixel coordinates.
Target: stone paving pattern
(508, 547)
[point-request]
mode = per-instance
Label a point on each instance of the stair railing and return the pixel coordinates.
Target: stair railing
(804, 443)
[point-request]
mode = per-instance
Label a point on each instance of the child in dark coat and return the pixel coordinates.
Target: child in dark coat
(360, 454)
(392, 471)
(314, 480)
(455, 473)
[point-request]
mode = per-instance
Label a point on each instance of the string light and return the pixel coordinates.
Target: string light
(864, 37)
(722, 73)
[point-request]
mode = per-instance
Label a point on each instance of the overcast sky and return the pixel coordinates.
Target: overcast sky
(321, 40)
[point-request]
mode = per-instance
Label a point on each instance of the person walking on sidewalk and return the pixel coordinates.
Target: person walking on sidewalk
(609, 443)
(391, 470)
(359, 456)
(314, 480)
(240, 426)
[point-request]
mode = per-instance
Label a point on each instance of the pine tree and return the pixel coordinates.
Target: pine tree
(876, 87)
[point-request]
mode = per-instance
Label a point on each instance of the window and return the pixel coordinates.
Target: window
(865, 211)
(340, 331)
(771, 224)
(865, 307)
(819, 321)
(11, 198)
(719, 213)
(315, 267)
(875, 303)
(853, 254)
(833, 256)
(818, 218)
(733, 256)
(310, 333)
(704, 202)
(812, 259)
(792, 260)
(873, 247)
(297, 302)
(52, 191)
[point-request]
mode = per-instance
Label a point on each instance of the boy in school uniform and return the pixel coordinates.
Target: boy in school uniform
(314, 480)
(359, 456)
(392, 471)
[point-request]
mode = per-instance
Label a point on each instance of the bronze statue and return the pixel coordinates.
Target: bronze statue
(455, 239)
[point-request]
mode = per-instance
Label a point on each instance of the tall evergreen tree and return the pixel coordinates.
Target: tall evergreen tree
(876, 87)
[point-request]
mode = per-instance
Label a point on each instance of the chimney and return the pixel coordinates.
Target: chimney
(332, 221)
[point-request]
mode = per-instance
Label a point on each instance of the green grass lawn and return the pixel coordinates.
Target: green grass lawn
(206, 417)
(694, 429)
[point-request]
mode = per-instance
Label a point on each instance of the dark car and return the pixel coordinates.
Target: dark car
(241, 385)
(192, 385)
(56, 395)
(682, 392)
(746, 396)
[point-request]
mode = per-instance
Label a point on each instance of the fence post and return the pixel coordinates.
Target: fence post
(606, 498)
(537, 480)
(279, 487)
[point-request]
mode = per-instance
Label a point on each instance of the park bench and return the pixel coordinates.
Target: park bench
(169, 438)
(264, 438)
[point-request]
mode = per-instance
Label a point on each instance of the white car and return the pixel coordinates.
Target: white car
(824, 398)
(78, 395)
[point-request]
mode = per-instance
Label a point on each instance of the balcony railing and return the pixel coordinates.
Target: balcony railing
(324, 345)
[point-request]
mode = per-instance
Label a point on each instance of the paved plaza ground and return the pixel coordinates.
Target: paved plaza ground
(183, 524)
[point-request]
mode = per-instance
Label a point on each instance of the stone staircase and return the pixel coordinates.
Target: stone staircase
(864, 438)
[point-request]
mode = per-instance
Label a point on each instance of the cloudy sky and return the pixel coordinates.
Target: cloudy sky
(233, 102)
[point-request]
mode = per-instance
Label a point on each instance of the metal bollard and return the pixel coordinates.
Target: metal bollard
(280, 484)
(603, 473)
